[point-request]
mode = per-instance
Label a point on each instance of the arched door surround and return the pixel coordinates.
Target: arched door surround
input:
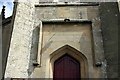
(77, 55)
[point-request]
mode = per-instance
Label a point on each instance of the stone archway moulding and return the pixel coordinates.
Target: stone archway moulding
(72, 52)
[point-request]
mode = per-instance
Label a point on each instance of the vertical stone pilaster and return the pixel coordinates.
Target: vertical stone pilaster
(98, 42)
(99, 59)
(19, 53)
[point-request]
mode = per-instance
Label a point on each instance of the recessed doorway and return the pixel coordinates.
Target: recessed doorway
(66, 68)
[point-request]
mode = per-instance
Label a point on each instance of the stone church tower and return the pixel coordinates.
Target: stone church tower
(57, 39)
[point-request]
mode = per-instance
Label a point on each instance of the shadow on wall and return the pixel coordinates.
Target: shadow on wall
(34, 50)
(109, 17)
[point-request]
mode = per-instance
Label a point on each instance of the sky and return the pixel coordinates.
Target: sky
(8, 8)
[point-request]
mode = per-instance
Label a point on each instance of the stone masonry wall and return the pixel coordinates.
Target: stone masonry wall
(19, 53)
(6, 36)
(64, 12)
(61, 12)
(0, 46)
(59, 0)
(109, 19)
(119, 4)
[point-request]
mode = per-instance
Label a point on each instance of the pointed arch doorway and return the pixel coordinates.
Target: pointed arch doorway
(66, 67)
(68, 59)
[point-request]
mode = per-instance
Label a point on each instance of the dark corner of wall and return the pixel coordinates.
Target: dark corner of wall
(109, 12)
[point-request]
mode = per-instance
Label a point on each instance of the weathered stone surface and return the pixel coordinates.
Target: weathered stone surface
(60, 1)
(76, 12)
(6, 37)
(109, 20)
(61, 13)
(84, 38)
(119, 4)
(55, 36)
(19, 53)
(45, 0)
(68, 0)
(1, 47)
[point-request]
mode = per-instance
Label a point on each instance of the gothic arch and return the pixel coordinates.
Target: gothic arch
(75, 54)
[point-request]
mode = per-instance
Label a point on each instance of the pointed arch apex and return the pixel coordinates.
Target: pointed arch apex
(69, 50)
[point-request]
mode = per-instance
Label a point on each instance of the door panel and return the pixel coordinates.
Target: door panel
(66, 68)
